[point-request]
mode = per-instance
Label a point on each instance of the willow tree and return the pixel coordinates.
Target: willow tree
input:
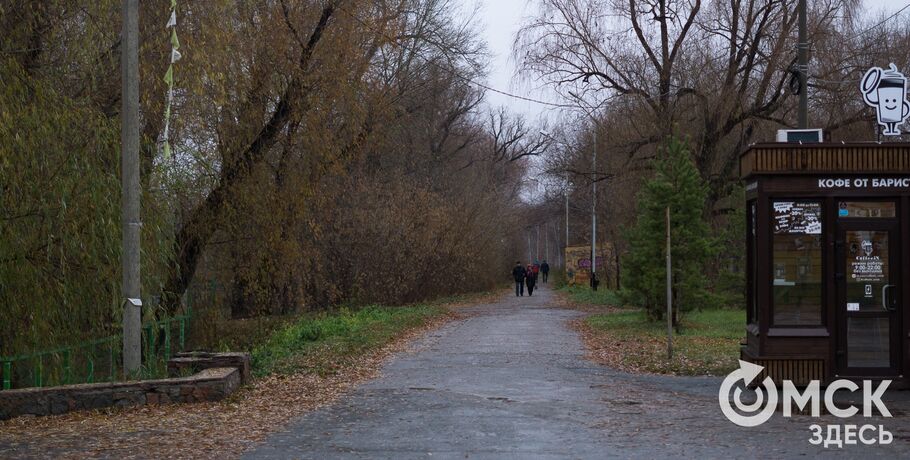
(59, 178)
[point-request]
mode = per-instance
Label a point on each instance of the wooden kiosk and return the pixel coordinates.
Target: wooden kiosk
(828, 261)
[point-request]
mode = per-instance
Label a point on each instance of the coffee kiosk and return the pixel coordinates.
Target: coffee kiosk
(828, 261)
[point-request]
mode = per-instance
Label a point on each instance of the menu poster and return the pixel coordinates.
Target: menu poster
(804, 218)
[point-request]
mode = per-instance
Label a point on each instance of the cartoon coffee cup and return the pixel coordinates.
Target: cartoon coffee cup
(886, 90)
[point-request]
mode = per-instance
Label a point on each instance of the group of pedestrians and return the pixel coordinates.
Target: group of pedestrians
(528, 276)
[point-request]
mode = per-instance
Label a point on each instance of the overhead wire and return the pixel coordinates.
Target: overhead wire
(469, 80)
(857, 35)
(896, 13)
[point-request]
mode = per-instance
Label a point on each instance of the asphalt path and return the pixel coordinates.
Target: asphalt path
(511, 382)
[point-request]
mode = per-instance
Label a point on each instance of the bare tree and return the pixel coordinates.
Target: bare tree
(716, 71)
(512, 138)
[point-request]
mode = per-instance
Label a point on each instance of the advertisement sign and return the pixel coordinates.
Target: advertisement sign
(886, 91)
(802, 218)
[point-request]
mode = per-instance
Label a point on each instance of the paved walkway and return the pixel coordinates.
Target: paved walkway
(511, 382)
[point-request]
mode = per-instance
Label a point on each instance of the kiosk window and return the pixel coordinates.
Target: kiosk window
(797, 263)
(866, 209)
(753, 264)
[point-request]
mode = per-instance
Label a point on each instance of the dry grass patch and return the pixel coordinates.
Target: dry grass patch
(625, 339)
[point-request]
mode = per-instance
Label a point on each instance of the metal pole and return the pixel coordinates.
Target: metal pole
(546, 241)
(593, 210)
(803, 57)
(562, 254)
(129, 138)
(529, 244)
(567, 208)
(669, 293)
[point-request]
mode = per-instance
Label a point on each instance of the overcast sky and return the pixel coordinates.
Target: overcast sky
(500, 19)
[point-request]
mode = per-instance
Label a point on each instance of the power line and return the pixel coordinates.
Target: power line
(466, 79)
(469, 80)
(896, 13)
(516, 96)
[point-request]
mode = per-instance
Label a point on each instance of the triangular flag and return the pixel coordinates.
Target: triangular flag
(175, 55)
(169, 76)
(174, 42)
(172, 22)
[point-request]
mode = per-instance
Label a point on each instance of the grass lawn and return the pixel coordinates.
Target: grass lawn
(586, 296)
(324, 343)
(708, 344)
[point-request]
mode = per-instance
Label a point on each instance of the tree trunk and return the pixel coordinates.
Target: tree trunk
(205, 218)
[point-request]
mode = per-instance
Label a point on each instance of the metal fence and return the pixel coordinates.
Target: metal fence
(95, 360)
(100, 360)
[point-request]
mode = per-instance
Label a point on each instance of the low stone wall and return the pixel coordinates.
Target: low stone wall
(194, 361)
(208, 385)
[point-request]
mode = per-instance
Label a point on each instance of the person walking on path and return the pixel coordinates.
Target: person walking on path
(531, 280)
(518, 273)
(545, 270)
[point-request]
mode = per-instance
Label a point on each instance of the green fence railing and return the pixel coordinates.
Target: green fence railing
(94, 360)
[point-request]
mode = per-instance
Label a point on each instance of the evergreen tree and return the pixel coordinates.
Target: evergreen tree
(676, 184)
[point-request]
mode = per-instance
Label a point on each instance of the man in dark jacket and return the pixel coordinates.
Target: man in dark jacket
(518, 273)
(530, 280)
(545, 270)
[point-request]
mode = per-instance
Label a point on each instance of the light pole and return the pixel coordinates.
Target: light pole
(562, 255)
(529, 243)
(593, 199)
(546, 241)
(130, 217)
(565, 191)
(803, 66)
(594, 210)
(567, 208)
(589, 111)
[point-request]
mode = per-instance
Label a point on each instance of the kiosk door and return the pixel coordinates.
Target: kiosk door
(868, 293)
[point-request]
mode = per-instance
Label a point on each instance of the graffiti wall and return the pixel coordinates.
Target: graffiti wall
(578, 264)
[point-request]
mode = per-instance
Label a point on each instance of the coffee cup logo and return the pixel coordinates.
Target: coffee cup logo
(886, 91)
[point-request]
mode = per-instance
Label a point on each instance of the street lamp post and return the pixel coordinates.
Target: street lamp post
(130, 210)
(803, 66)
(589, 111)
(565, 192)
(546, 242)
(529, 243)
(593, 198)
(594, 212)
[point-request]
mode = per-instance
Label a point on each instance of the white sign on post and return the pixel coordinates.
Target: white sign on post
(886, 91)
